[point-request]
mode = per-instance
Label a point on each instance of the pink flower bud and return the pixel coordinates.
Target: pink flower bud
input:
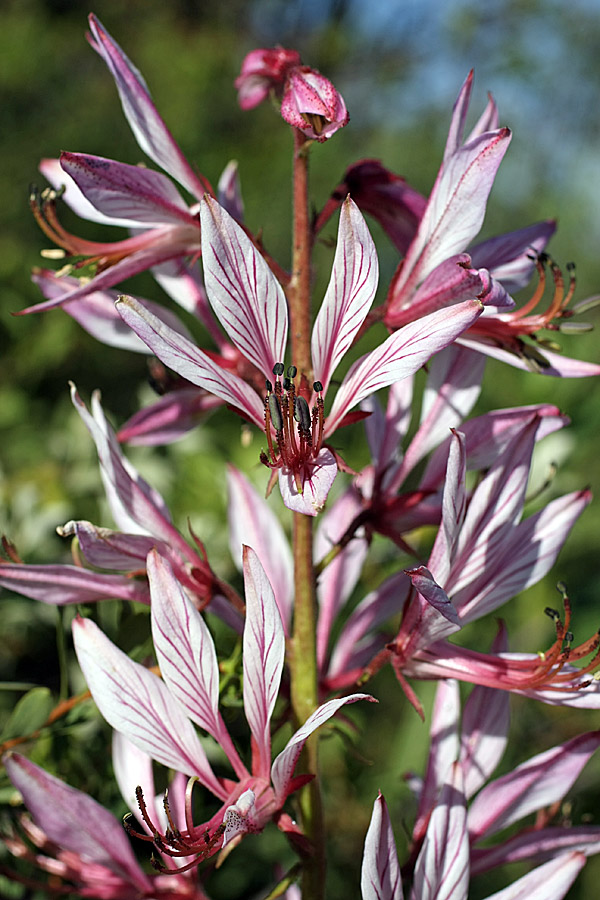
(312, 104)
(263, 70)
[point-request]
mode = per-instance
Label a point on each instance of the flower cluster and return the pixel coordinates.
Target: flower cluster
(312, 626)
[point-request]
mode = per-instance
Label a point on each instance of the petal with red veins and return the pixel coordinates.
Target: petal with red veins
(283, 767)
(541, 781)
(138, 703)
(550, 881)
(253, 522)
(484, 735)
(60, 585)
(380, 877)
(455, 210)
(349, 295)
(263, 654)
(189, 361)
(244, 293)
(53, 172)
(75, 822)
(149, 129)
(402, 354)
(120, 190)
(442, 869)
(316, 480)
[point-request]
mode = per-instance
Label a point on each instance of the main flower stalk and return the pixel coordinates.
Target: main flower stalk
(304, 679)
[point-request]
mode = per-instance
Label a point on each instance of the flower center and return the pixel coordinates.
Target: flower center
(298, 428)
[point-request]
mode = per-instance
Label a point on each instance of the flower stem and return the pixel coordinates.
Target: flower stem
(304, 689)
(298, 292)
(304, 697)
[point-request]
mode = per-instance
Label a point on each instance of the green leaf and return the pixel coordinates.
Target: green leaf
(29, 714)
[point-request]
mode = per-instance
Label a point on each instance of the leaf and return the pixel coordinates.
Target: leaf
(30, 713)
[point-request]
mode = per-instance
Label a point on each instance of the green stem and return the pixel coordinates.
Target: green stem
(303, 667)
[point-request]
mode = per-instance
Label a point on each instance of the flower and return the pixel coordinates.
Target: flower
(141, 514)
(451, 838)
(119, 194)
(81, 843)
(251, 306)
(312, 104)
(441, 268)
(156, 714)
(309, 101)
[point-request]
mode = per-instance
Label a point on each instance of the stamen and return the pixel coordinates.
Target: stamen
(275, 411)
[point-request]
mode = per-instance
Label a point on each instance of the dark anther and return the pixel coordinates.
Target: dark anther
(543, 257)
(570, 267)
(292, 371)
(302, 414)
(552, 614)
(275, 410)
(318, 387)
(569, 637)
(278, 369)
(268, 385)
(288, 384)
(561, 588)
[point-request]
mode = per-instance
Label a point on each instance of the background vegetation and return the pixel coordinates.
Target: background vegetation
(399, 66)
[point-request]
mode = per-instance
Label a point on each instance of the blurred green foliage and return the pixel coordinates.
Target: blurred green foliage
(399, 66)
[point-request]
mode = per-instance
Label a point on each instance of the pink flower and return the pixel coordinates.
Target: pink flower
(309, 101)
(312, 104)
(251, 306)
(156, 714)
(439, 268)
(451, 838)
(144, 522)
(103, 190)
(79, 842)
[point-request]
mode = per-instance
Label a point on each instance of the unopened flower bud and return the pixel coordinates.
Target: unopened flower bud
(312, 104)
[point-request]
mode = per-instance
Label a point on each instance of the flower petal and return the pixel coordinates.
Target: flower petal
(108, 549)
(96, 312)
(349, 295)
(263, 654)
(53, 172)
(150, 131)
(59, 585)
(541, 781)
(443, 750)
(484, 735)
(244, 293)
(120, 190)
(557, 366)
(137, 703)
(186, 654)
(284, 764)
(317, 478)
(442, 869)
(455, 210)
(136, 507)
(380, 877)
(400, 355)
(510, 257)
(189, 361)
(252, 522)
(548, 882)
(339, 578)
(75, 822)
(170, 418)
(452, 388)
